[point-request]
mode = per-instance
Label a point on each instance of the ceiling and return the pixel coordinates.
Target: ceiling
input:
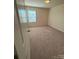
(40, 3)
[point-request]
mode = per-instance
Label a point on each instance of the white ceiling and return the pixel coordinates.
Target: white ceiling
(40, 3)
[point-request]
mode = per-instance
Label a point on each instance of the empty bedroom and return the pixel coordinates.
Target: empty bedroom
(39, 29)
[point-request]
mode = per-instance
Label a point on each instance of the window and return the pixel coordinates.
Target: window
(22, 14)
(31, 16)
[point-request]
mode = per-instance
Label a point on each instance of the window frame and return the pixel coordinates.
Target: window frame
(27, 14)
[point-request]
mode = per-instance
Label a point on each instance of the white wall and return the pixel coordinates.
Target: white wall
(56, 17)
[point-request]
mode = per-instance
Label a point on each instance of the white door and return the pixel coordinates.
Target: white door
(21, 38)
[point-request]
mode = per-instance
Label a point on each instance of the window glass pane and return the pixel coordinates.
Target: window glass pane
(22, 14)
(32, 15)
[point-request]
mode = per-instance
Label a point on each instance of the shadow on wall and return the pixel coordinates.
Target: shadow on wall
(15, 54)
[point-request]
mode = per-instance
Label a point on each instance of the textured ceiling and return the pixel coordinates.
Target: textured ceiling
(40, 3)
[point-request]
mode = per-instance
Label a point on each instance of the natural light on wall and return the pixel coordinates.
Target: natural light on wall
(25, 15)
(47, 1)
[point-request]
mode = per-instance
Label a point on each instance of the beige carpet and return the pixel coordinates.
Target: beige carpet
(46, 42)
